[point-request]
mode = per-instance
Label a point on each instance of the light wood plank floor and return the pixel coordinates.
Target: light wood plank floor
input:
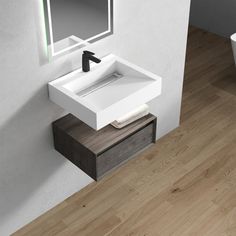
(183, 185)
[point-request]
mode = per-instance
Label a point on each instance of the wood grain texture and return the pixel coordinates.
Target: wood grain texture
(124, 150)
(185, 185)
(98, 141)
(88, 149)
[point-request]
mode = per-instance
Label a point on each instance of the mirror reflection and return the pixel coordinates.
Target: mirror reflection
(76, 23)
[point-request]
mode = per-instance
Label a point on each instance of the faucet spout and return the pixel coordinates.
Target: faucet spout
(86, 58)
(94, 59)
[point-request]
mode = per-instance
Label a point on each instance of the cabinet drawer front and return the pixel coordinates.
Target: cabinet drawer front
(123, 151)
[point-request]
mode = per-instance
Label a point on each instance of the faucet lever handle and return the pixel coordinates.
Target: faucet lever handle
(89, 53)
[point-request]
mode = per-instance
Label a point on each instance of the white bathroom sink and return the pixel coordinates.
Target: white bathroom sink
(110, 90)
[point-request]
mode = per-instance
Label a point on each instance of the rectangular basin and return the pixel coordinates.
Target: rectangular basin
(110, 90)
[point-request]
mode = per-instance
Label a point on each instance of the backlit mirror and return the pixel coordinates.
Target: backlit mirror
(72, 24)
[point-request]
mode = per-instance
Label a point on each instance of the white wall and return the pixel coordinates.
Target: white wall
(216, 16)
(34, 177)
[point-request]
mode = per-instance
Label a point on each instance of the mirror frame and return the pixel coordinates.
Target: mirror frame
(49, 30)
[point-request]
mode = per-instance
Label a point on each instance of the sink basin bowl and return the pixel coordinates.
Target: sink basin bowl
(110, 90)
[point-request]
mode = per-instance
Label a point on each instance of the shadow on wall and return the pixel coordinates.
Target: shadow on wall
(33, 176)
(27, 148)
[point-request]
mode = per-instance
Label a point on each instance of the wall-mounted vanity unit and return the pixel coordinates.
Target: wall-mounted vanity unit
(109, 91)
(95, 99)
(99, 152)
(73, 24)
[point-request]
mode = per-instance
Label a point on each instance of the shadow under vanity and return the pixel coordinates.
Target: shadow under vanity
(97, 95)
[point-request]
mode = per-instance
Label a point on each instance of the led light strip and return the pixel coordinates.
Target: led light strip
(53, 53)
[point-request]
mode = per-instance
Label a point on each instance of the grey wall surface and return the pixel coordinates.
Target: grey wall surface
(33, 176)
(215, 16)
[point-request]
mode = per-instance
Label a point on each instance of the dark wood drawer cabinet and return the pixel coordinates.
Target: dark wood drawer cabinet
(99, 152)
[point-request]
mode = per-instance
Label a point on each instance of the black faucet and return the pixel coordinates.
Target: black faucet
(88, 56)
